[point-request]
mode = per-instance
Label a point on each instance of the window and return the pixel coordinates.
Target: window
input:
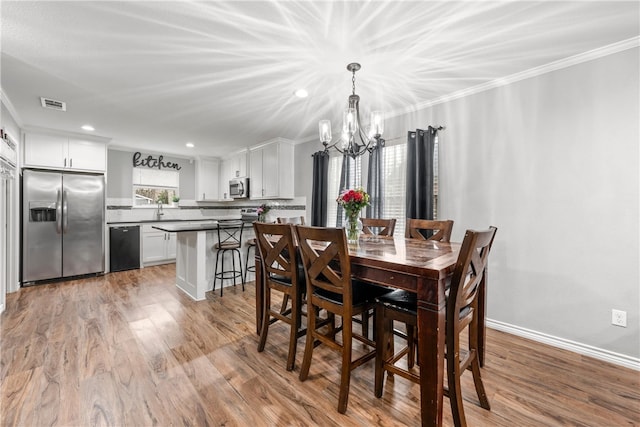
(394, 171)
(335, 168)
(151, 186)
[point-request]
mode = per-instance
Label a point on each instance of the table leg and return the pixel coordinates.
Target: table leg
(259, 292)
(431, 349)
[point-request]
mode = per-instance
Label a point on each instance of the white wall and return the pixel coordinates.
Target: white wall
(552, 161)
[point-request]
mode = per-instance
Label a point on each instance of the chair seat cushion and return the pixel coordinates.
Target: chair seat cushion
(362, 292)
(232, 245)
(287, 280)
(400, 300)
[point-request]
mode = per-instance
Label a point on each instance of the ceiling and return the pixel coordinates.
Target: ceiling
(222, 74)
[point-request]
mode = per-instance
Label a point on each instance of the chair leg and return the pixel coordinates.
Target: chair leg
(345, 376)
(264, 331)
(411, 345)
(293, 336)
(222, 276)
(246, 263)
(233, 266)
(365, 323)
(455, 392)
(240, 262)
(308, 347)
(215, 274)
(381, 344)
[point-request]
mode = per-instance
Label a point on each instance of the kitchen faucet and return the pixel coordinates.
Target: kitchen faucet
(159, 212)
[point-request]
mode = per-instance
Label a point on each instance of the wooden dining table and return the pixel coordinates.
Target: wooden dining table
(419, 266)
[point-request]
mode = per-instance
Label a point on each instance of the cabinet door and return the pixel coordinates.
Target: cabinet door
(86, 155)
(45, 150)
(240, 165)
(154, 246)
(255, 185)
(270, 171)
(208, 179)
(172, 245)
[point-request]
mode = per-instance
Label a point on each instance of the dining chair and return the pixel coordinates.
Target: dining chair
(428, 229)
(281, 272)
(229, 234)
(327, 267)
(384, 227)
(296, 220)
(461, 314)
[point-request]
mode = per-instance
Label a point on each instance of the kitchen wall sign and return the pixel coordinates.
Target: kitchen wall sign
(153, 163)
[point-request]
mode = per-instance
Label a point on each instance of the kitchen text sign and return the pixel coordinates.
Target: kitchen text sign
(153, 163)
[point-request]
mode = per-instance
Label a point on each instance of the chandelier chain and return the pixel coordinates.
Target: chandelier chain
(353, 82)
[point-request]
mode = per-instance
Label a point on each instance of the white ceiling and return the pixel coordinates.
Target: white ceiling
(221, 74)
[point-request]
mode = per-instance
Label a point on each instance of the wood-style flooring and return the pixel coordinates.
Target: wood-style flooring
(129, 349)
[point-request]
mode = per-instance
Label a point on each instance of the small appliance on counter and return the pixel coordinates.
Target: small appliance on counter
(249, 214)
(239, 188)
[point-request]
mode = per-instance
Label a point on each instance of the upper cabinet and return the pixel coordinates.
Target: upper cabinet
(271, 170)
(64, 152)
(207, 180)
(233, 166)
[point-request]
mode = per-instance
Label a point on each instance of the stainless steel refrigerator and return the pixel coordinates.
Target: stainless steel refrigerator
(62, 224)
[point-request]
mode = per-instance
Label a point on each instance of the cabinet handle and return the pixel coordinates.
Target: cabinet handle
(203, 196)
(65, 162)
(70, 163)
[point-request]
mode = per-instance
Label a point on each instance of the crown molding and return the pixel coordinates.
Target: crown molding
(533, 72)
(7, 103)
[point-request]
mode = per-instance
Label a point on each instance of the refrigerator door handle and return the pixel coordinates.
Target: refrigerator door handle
(58, 213)
(65, 222)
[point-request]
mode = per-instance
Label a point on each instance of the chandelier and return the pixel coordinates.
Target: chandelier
(355, 140)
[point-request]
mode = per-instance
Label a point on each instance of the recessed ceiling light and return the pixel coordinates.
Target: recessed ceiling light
(189, 144)
(301, 93)
(88, 128)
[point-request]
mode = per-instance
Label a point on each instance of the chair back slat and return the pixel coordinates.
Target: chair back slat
(427, 229)
(277, 249)
(385, 227)
(325, 256)
(468, 273)
(296, 220)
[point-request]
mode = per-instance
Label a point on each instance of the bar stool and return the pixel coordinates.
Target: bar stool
(229, 239)
(251, 244)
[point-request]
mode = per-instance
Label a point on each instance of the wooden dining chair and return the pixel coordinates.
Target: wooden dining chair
(428, 229)
(281, 272)
(385, 227)
(461, 314)
(296, 220)
(327, 266)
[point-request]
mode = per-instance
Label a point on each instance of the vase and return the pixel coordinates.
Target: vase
(353, 227)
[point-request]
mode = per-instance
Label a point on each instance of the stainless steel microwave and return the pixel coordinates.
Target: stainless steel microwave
(239, 188)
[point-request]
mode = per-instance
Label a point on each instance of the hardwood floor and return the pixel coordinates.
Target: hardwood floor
(129, 349)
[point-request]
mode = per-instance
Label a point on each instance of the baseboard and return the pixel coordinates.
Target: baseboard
(576, 347)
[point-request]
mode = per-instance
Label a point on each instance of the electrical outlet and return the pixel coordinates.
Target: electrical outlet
(619, 318)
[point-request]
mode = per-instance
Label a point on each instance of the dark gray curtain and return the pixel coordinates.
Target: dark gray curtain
(375, 183)
(420, 154)
(345, 179)
(319, 191)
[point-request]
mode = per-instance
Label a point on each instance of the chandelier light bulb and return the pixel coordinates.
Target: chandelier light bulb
(324, 127)
(377, 122)
(350, 122)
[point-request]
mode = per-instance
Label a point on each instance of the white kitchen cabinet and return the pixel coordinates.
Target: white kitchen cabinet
(238, 165)
(63, 152)
(207, 180)
(271, 170)
(158, 246)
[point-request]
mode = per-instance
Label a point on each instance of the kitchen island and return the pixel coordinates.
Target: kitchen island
(192, 254)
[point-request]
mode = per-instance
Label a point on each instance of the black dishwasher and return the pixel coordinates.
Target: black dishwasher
(124, 248)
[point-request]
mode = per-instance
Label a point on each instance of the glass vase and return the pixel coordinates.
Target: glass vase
(353, 228)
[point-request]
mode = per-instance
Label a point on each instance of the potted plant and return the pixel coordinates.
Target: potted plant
(175, 200)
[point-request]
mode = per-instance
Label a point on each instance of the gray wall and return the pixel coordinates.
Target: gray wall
(119, 174)
(552, 161)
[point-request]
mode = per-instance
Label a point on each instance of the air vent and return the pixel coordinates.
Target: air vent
(53, 104)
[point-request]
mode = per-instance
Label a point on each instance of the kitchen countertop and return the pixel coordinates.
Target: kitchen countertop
(179, 228)
(149, 221)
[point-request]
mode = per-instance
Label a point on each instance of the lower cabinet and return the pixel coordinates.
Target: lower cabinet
(158, 247)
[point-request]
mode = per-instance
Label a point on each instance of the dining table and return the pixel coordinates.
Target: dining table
(419, 266)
